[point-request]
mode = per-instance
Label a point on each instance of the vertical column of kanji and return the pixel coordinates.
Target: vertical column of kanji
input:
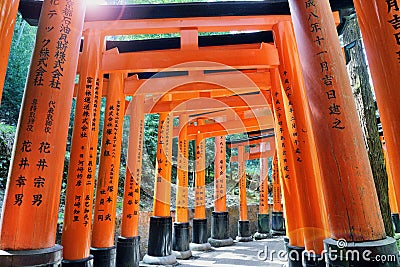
(263, 215)
(380, 27)
(285, 155)
(392, 192)
(180, 238)
(220, 217)
(160, 229)
(30, 209)
(82, 168)
(199, 229)
(244, 234)
(355, 215)
(297, 115)
(103, 248)
(8, 10)
(128, 243)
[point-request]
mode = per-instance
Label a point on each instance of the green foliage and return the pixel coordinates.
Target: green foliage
(7, 134)
(18, 65)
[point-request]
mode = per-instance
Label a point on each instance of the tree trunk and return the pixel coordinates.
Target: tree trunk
(360, 83)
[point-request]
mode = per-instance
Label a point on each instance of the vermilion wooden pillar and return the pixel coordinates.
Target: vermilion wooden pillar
(128, 243)
(34, 181)
(286, 163)
(297, 115)
(199, 229)
(8, 11)
(220, 217)
(82, 167)
(244, 234)
(103, 248)
(392, 192)
(263, 219)
(379, 25)
(349, 191)
(180, 237)
(160, 230)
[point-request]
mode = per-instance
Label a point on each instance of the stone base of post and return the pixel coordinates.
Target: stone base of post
(313, 260)
(41, 257)
(128, 253)
(295, 256)
(180, 241)
(396, 222)
(88, 262)
(277, 223)
(160, 240)
(244, 234)
(263, 229)
(104, 256)
(199, 236)
(220, 230)
(380, 253)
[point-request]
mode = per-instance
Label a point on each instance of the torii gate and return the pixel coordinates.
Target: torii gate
(37, 158)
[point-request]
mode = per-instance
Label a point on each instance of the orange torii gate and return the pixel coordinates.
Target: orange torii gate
(32, 197)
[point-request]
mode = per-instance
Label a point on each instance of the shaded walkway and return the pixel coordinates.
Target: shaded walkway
(240, 254)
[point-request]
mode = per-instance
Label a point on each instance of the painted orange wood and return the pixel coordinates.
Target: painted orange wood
(200, 176)
(30, 209)
(107, 183)
(162, 185)
(349, 190)
(131, 203)
(82, 169)
(220, 174)
(182, 194)
(242, 184)
(380, 29)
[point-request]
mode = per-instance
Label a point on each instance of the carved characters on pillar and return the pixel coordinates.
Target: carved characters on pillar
(394, 12)
(327, 78)
(290, 117)
(220, 179)
(200, 199)
(114, 119)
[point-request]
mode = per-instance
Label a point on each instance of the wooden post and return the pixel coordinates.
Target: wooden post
(34, 181)
(8, 10)
(263, 218)
(244, 234)
(220, 216)
(199, 229)
(354, 215)
(302, 143)
(161, 221)
(103, 248)
(276, 185)
(82, 168)
(180, 238)
(294, 222)
(128, 243)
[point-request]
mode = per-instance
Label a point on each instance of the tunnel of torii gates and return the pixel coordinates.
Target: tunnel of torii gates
(253, 82)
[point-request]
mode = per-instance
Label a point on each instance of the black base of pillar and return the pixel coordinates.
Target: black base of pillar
(199, 231)
(48, 257)
(88, 262)
(128, 252)
(380, 253)
(313, 260)
(220, 225)
(263, 223)
(160, 236)
(396, 222)
(286, 241)
(180, 241)
(295, 256)
(244, 234)
(180, 237)
(277, 223)
(104, 256)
